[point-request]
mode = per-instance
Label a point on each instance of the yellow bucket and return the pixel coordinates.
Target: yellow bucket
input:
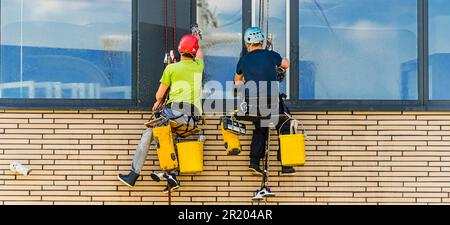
(165, 148)
(231, 142)
(190, 155)
(293, 150)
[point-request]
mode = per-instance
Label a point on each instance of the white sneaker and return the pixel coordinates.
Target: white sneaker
(264, 193)
(258, 196)
(267, 193)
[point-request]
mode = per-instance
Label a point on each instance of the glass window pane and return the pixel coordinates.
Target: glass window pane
(70, 49)
(439, 49)
(358, 50)
(221, 22)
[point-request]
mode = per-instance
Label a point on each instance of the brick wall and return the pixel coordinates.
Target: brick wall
(353, 158)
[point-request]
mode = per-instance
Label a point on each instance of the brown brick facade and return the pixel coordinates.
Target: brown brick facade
(353, 157)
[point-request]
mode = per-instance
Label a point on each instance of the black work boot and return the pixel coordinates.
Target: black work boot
(287, 171)
(254, 167)
(130, 179)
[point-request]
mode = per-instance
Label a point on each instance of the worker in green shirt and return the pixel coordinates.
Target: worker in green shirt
(183, 82)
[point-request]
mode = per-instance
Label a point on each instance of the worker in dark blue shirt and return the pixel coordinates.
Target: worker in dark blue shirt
(259, 67)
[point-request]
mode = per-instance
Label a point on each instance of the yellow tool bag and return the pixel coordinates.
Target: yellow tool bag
(230, 132)
(165, 148)
(190, 156)
(293, 147)
(231, 142)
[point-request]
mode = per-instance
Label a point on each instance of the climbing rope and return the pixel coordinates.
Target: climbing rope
(261, 13)
(174, 11)
(268, 18)
(264, 22)
(166, 25)
(170, 55)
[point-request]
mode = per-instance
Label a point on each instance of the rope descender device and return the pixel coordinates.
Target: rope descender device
(195, 30)
(231, 129)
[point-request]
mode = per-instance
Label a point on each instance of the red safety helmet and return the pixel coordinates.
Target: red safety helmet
(188, 44)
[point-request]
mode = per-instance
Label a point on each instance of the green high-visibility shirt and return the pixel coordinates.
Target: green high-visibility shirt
(185, 81)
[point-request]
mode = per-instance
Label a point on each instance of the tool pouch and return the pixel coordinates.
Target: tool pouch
(230, 131)
(165, 148)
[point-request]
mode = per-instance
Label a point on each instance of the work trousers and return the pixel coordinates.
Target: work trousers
(144, 145)
(261, 135)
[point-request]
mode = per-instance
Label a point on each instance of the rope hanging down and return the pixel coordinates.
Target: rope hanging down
(170, 55)
(174, 11)
(169, 58)
(263, 22)
(261, 13)
(166, 26)
(269, 44)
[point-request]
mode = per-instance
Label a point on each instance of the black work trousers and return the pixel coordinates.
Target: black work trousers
(261, 136)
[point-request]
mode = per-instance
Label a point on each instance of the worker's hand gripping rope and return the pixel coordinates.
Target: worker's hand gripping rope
(195, 30)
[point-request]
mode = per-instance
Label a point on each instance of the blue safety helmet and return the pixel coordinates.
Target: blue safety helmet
(253, 35)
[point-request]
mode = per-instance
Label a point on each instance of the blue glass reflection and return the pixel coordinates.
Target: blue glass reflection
(358, 50)
(221, 22)
(439, 49)
(71, 49)
(64, 73)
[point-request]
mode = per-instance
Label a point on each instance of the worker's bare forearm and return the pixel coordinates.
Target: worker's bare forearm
(161, 92)
(200, 54)
(239, 79)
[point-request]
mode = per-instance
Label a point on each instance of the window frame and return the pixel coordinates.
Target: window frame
(141, 97)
